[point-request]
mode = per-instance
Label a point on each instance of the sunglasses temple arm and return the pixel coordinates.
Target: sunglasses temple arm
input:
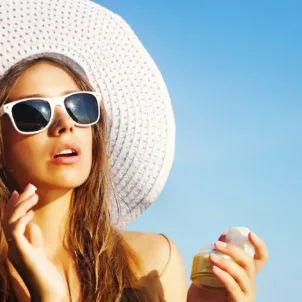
(1, 110)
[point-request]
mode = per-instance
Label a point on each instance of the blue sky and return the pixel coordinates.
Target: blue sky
(234, 72)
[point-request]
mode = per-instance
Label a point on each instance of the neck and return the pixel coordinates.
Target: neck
(51, 213)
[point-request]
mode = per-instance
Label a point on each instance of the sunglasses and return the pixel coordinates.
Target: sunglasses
(33, 115)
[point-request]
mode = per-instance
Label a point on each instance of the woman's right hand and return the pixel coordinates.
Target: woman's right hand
(26, 251)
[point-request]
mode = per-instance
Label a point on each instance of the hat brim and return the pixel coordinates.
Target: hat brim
(104, 47)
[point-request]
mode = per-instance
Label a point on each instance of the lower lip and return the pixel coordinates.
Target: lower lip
(61, 160)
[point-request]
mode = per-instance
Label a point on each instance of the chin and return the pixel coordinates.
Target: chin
(67, 179)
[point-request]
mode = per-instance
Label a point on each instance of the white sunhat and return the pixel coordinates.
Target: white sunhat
(101, 45)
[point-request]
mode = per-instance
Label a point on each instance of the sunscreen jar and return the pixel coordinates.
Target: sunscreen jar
(201, 273)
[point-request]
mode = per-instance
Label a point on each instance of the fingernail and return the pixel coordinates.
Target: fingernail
(221, 244)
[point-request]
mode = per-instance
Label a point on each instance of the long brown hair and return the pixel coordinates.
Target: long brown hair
(105, 263)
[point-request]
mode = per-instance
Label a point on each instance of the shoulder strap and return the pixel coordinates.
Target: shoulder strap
(169, 255)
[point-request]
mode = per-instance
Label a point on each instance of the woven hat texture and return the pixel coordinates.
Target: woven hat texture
(101, 45)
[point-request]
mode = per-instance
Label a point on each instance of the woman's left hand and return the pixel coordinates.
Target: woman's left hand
(238, 273)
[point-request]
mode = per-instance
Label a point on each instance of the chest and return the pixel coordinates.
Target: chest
(67, 272)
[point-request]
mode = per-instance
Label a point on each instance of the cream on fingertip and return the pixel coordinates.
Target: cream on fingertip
(30, 187)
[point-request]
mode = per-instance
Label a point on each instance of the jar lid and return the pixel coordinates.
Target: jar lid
(240, 237)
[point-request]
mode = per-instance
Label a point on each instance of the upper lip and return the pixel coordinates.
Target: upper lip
(66, 145)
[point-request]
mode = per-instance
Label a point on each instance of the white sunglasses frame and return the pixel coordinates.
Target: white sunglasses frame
(53, 102)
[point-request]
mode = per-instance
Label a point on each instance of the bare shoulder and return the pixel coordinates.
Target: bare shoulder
(153, 249)
(160, 257)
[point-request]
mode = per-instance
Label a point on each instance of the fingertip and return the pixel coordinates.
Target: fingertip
(261, 250)
(14, 197)
(15, 194)
(256, 240)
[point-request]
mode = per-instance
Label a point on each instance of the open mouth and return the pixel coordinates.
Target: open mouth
(66, 153)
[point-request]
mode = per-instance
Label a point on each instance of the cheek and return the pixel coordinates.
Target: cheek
(22, 151)
(22, 155)
(86, 144)
(11, 140)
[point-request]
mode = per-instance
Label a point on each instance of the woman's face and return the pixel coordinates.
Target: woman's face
(30, 158)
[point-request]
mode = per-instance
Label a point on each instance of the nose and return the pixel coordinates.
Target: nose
(61, 123)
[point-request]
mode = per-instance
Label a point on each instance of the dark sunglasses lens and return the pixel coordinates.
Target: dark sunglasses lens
(82, 107)
(30, 116)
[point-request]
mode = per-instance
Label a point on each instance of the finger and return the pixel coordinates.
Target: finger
(238, 255)
(17, 233)
(28, 191)
(261, 252)
(22, 208)
(35, 235)
(7, 213)
(235, 270)
(11, 204)
(229, 283)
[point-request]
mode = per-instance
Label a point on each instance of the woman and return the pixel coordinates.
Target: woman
(60, 241)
